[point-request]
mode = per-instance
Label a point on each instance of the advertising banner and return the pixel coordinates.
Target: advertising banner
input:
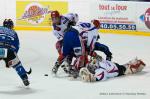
(37, 13)
(143, 17)
(114, 15)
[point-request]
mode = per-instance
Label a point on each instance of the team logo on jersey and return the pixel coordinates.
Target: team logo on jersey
(146, 18)
(35, 13)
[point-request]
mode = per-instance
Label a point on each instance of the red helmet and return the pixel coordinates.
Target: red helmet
(96, 23)
(55, 14)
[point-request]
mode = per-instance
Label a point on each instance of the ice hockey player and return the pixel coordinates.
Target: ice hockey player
(100, 69)
(60, 24)
(90, 35)
(73, 47)
(9, 46)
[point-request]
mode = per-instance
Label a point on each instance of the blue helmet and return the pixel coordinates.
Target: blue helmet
(8, 23)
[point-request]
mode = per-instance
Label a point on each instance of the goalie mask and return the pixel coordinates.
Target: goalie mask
(87, 74)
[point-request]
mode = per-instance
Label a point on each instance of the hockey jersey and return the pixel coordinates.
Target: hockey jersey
(59, 30)
(105, 69)
(9, 39)
(89, 34)
(72, 43)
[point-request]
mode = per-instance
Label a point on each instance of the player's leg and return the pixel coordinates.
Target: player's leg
(59, 46)
(74, 48)
(13, 61)
(121, 69)
(131, 67)
(64, 50)
(105, 49)
(60, 57)
(81, 57)
(63, 60)
(57, 64)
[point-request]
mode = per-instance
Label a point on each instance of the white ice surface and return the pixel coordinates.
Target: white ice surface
(38, 51)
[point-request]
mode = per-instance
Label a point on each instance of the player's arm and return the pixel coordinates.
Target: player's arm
(17, 41)
(58, 35)
(57, 32)
(67, 21)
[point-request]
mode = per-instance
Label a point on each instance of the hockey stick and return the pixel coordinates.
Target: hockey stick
(29, 72)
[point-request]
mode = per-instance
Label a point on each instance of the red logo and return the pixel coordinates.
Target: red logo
(147, 18)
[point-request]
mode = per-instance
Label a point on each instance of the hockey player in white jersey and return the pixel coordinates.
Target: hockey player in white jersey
(60, 24)
(100, 69)
(90, 35)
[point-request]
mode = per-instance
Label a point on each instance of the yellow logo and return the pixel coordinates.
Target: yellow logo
(35, 13)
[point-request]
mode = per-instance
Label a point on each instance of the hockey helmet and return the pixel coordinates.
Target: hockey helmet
(8, 23)
(96, 23)
(55, 16)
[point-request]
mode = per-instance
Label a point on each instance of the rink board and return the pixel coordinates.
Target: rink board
(101, 31)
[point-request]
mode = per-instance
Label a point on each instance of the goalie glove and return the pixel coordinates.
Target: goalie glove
(86, 76)
(134, 66)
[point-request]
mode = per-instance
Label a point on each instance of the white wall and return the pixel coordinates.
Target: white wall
(82, 7)
(7, 10)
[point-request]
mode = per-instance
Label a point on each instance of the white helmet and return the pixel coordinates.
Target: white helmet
(76, 17)
(73, 17)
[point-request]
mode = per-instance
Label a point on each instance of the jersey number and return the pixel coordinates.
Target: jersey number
(65, 20)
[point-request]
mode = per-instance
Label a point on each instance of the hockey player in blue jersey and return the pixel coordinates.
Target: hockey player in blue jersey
(9, 46)
(73, 47)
